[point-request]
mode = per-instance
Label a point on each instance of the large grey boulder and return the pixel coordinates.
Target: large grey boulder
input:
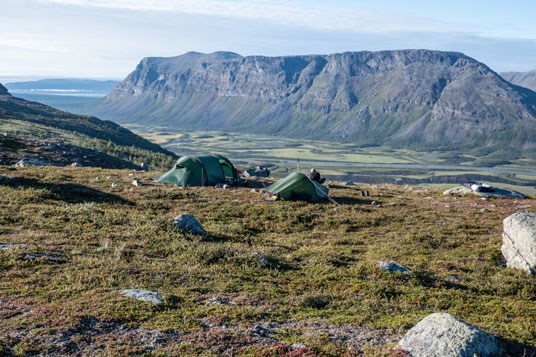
(442, 335)
(519, 241)
(189, 224)
(143, 295)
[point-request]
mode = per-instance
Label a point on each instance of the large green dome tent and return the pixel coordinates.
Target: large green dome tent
(200, 171)
(297, 187)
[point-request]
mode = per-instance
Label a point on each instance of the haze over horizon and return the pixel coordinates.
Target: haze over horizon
(107, 38)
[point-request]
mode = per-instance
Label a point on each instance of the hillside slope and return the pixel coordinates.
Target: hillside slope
(37, 121)
(318, 283)
(523, 79)
(415, 98)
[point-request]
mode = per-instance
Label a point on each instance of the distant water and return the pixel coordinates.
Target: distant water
(60, 92)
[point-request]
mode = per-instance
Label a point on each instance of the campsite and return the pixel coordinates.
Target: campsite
(267, 275)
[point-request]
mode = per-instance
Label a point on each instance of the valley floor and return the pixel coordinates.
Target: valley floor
(318, 289)
(345, 162)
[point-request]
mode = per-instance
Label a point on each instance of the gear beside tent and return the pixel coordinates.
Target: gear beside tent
(200, 171)
(296, 187)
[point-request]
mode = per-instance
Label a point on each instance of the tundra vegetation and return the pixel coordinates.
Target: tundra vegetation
(319, 271)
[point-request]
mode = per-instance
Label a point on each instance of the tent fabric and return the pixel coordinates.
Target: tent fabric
(200, 171)
(298, 187)
(213, 169)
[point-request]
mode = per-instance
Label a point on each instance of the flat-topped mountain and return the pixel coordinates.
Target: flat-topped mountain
(523, 79)
(413, 98)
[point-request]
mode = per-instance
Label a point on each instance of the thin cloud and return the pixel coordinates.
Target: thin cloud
(323, 17)
(32, 44)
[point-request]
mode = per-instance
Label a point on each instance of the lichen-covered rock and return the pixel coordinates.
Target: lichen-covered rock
(441, 334)
(519, 241)
(143, 295)
(188, 224)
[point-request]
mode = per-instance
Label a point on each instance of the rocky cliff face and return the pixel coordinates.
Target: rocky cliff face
(523, 79)
(407, 97)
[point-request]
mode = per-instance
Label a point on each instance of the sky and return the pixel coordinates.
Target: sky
(107, 38)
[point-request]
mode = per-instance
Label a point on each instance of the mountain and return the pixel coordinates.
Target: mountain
(410, 98)
(32, 120)
(3, 90)
(63, 86)
(523, 79)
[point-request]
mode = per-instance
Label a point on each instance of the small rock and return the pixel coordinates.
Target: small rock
(374, 203)
(114, 184)
(6, 246)
(253, 190)
(76, 164)
(226, 187)
(144, 166)
(97, 178)
(143, 295)
(38, 255)
(298, 345)
(441, 334)
(392, 267)
(263, 260)
(189, 224)
(130, 174)
(217, 301)
(453, 279)
(136, 182)
(349, 183)
(218, 185)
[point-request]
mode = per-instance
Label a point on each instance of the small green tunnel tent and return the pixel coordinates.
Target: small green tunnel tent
(200, 171)
(297, 187)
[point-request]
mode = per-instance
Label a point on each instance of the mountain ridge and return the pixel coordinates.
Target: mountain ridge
(403, 97)
(523, 79)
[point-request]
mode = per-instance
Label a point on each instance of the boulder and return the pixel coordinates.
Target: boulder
(497, 192)
(519, 241)
(143, 295)
(259, 171)
(189, 224)
(441, 334)
(393, 267)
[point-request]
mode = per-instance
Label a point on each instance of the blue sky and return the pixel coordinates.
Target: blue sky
(107, 38)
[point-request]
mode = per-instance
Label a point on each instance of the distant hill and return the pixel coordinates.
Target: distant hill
(523, 79)
(407, 98)
(63, 86)
(33, 120)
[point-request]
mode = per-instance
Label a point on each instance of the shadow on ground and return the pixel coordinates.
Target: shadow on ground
(67, 192)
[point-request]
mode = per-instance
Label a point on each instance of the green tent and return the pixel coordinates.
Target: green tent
(200, 171)
(297, 187)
